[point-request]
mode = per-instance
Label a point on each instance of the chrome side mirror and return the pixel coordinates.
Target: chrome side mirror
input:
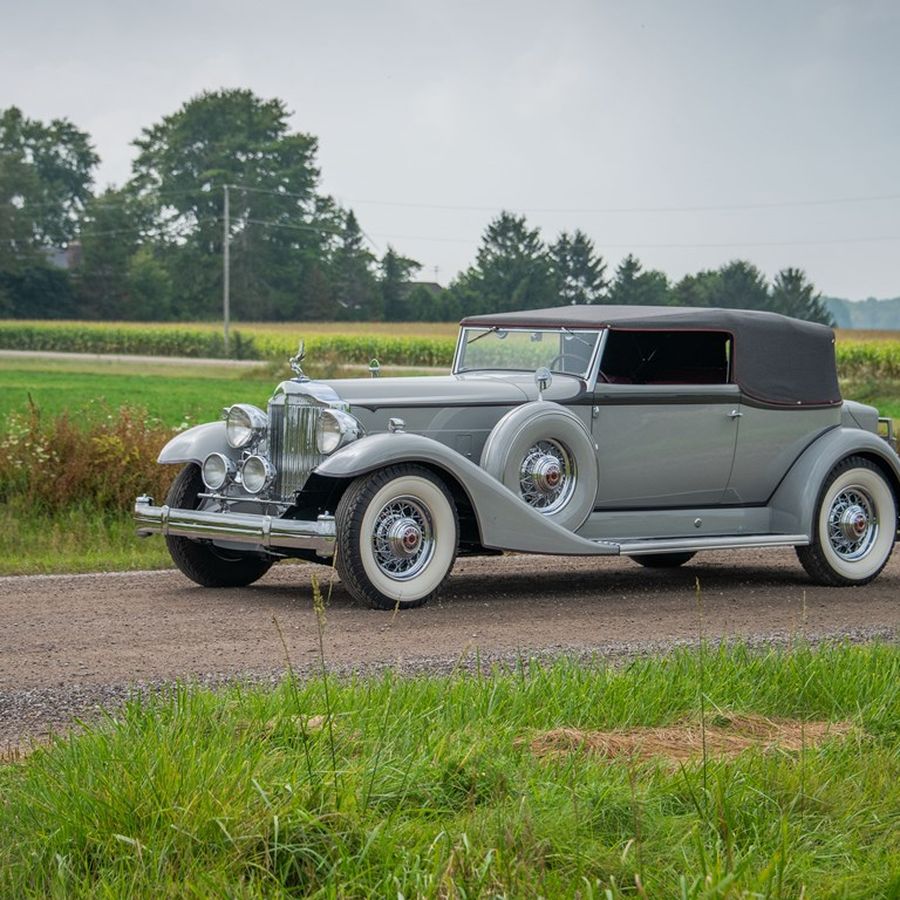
(543, 379)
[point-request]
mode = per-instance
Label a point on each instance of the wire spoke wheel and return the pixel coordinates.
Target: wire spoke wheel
(403, 538)
(547, 476)
(852, 524)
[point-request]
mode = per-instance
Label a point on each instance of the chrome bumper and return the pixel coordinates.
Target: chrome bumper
(242, 528)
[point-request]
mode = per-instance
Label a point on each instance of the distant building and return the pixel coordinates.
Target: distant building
(64, 257)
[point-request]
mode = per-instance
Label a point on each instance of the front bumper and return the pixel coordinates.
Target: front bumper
(241, 528)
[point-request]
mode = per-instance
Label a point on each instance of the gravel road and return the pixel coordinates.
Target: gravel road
(71, 643)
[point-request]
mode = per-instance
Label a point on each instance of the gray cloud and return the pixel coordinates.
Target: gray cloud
(567, 106)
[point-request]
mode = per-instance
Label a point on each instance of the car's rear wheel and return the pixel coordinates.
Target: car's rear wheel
(203, 563)
(854, 527)
(397, 535)
(662, 560)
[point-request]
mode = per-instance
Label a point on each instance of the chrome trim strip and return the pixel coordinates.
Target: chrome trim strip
(242, 528)
(734, 542)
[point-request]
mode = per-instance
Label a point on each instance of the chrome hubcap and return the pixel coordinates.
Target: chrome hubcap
(547, 476)
(852, 525)
(403, 538)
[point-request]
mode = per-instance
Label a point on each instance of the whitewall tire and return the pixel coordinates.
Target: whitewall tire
(397, 535)
(854, 528)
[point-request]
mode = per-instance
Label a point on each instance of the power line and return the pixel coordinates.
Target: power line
(681, 245)
(775, 204)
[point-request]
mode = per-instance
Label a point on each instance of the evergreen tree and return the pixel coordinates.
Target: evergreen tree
(578, 270)
(634, 287)
(793, 295)
(355, 289)
(511, 271)
(396, 272)
(740, 285)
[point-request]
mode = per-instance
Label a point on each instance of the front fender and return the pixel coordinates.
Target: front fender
(505, 522)
(195, 444)
(794, 502)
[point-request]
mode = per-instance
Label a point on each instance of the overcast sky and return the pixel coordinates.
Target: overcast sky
(627, 119)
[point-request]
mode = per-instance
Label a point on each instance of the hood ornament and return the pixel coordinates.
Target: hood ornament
(296, 360)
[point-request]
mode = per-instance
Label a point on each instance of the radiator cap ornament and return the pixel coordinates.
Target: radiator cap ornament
(295, 362)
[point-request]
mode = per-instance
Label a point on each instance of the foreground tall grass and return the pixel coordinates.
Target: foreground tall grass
(428, 787)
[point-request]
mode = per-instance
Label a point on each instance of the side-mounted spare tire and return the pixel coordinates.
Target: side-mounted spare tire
(543, 453)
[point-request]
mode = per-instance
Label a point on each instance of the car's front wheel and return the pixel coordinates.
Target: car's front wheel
(854, 527)
(203, 563)
(397, 534)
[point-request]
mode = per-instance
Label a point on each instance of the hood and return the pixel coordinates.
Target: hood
(429, 390)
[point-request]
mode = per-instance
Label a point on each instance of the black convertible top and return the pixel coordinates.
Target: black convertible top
(776, 359)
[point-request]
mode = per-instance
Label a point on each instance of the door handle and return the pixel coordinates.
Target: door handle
(735, 414)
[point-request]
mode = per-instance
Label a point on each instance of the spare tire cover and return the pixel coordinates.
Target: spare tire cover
(543, 453)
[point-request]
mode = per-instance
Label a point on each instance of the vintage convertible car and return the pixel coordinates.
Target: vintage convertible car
(650, 432)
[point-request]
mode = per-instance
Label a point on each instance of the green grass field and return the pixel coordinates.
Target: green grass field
(173, 397)
(435, 786)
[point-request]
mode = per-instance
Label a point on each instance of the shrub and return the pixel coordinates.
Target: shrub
(104, 463)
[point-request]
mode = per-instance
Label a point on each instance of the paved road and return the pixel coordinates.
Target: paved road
(67, 642)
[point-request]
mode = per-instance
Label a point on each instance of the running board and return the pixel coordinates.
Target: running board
(692, 545)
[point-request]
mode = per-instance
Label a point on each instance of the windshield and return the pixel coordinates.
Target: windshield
(516, 350)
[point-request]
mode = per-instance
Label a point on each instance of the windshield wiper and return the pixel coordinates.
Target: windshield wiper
(578, 338)
(478, 337)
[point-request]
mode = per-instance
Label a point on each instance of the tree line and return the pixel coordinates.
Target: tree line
(152, 248)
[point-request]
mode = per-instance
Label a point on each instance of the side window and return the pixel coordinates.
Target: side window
(666, 357)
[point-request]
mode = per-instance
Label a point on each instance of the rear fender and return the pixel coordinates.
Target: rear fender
(195, 444)
(794, 502)
(504, 521)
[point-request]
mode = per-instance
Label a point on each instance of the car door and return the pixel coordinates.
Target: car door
(665, 420)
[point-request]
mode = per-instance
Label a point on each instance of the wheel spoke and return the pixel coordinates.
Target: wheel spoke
(403, 538)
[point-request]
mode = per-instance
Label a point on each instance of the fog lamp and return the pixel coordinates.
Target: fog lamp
(216, 471)
(257, 473)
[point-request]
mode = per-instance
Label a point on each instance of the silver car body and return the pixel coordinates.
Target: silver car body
(679, 467)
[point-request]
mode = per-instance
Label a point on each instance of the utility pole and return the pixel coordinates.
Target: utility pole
(226, 272)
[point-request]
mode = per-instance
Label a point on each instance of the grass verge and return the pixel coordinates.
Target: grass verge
(430, 787)
(74, 540)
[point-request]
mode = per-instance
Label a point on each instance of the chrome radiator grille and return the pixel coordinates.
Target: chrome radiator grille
(292, 444)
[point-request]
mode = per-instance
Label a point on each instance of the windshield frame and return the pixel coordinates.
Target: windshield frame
(588, 375)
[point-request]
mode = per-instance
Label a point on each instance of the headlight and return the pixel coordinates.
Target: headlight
(256, 473)
(244, 423)
(335, 428)
(216, 470)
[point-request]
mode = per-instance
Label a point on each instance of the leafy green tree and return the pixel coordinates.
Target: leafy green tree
(794, 295)
(578, 270)
(149, 290)
(110, 235)
(396, 273)
(511, 270)
(632, 286)
(699, 289)
(46, 173)
(37, 291)
(279, 222)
